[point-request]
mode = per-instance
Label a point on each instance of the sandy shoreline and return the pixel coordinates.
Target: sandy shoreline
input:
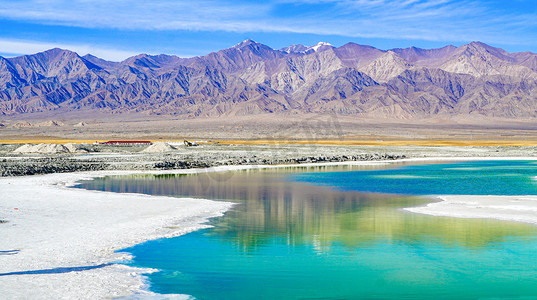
(52, 227)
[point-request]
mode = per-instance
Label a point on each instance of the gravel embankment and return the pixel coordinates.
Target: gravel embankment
(62, 164)
(105, 157)
(32, 166)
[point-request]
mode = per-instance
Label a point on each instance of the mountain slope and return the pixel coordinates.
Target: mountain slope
(252, 78)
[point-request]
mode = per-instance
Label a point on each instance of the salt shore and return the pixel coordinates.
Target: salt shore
(52, 230)
(507, 208)
(59, 242)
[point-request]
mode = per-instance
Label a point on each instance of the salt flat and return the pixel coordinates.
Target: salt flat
(52, 228)
(507, 208)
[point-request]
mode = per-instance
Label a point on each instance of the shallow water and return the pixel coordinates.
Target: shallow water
(335, 233)
(464, 178)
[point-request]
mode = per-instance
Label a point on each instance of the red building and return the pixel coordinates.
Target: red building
(126, 142)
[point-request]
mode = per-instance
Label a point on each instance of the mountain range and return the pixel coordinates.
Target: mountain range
(252, 78)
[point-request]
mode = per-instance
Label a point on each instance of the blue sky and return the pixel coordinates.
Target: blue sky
(117, 29)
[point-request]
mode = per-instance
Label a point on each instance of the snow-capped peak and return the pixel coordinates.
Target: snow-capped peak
(244, 43)
(294, 49)
(319, 45)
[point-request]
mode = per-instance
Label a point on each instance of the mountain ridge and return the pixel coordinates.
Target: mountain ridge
(252, 78)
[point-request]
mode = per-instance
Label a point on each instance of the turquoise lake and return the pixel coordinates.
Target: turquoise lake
(340, 233)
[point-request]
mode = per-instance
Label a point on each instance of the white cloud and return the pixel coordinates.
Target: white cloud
(135, 15)
(19, 47)
(432, 20)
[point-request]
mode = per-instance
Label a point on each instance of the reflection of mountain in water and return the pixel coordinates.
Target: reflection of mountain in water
(272, 207)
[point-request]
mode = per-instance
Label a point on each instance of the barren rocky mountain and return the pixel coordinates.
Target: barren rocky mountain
(252, 78)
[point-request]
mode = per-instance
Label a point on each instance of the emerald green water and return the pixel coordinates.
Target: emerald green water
(464, 178)
(339, 233)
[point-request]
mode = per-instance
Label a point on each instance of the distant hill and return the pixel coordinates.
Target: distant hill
(252, 78)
